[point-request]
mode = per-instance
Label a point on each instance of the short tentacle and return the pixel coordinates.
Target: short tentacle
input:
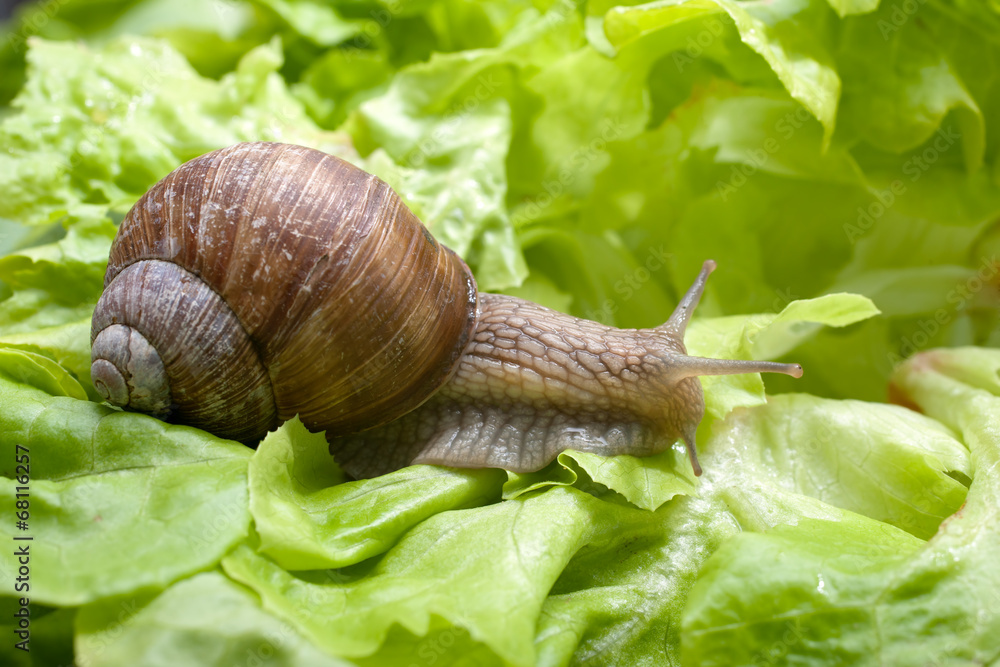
(689, 442)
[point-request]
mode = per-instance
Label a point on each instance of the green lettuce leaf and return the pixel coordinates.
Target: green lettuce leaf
(212, 34)
(764, 336)
(308, 518)
(66, 344)
(885, 462)
(561, 472)
(647, 482)
(896, 95)
(443, 130)
(54, 289)
(855, 591)
(118, 502)
(317, 21)
(71, 269)
(33, 310)
(797, 57)
(486, 570)
(204, 620)
(74, 151)
(37, 370)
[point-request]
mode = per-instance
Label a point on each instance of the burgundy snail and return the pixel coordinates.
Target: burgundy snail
(266, 280)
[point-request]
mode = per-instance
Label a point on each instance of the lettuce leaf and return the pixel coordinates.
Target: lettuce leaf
(797, 58)
(487, 570)
(308, 518)
(206, 619)
(109, 517)
(851, 590)
(99, 126)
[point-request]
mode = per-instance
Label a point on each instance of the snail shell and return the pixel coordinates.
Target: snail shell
(265, 280)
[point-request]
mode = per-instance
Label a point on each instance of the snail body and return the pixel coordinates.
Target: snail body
(267, 280)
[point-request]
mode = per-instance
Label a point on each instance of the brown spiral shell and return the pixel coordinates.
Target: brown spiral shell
(266, 280)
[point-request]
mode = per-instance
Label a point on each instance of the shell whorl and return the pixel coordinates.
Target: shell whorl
(128, 371)
(165, 344)
(353, 312)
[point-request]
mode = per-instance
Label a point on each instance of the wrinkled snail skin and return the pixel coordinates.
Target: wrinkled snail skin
(534, 382)
(264, 281)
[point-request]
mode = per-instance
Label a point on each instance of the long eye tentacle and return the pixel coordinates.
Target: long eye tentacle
(679, 319)
(695, 366)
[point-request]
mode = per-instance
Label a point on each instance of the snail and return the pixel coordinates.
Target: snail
(265, 280)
